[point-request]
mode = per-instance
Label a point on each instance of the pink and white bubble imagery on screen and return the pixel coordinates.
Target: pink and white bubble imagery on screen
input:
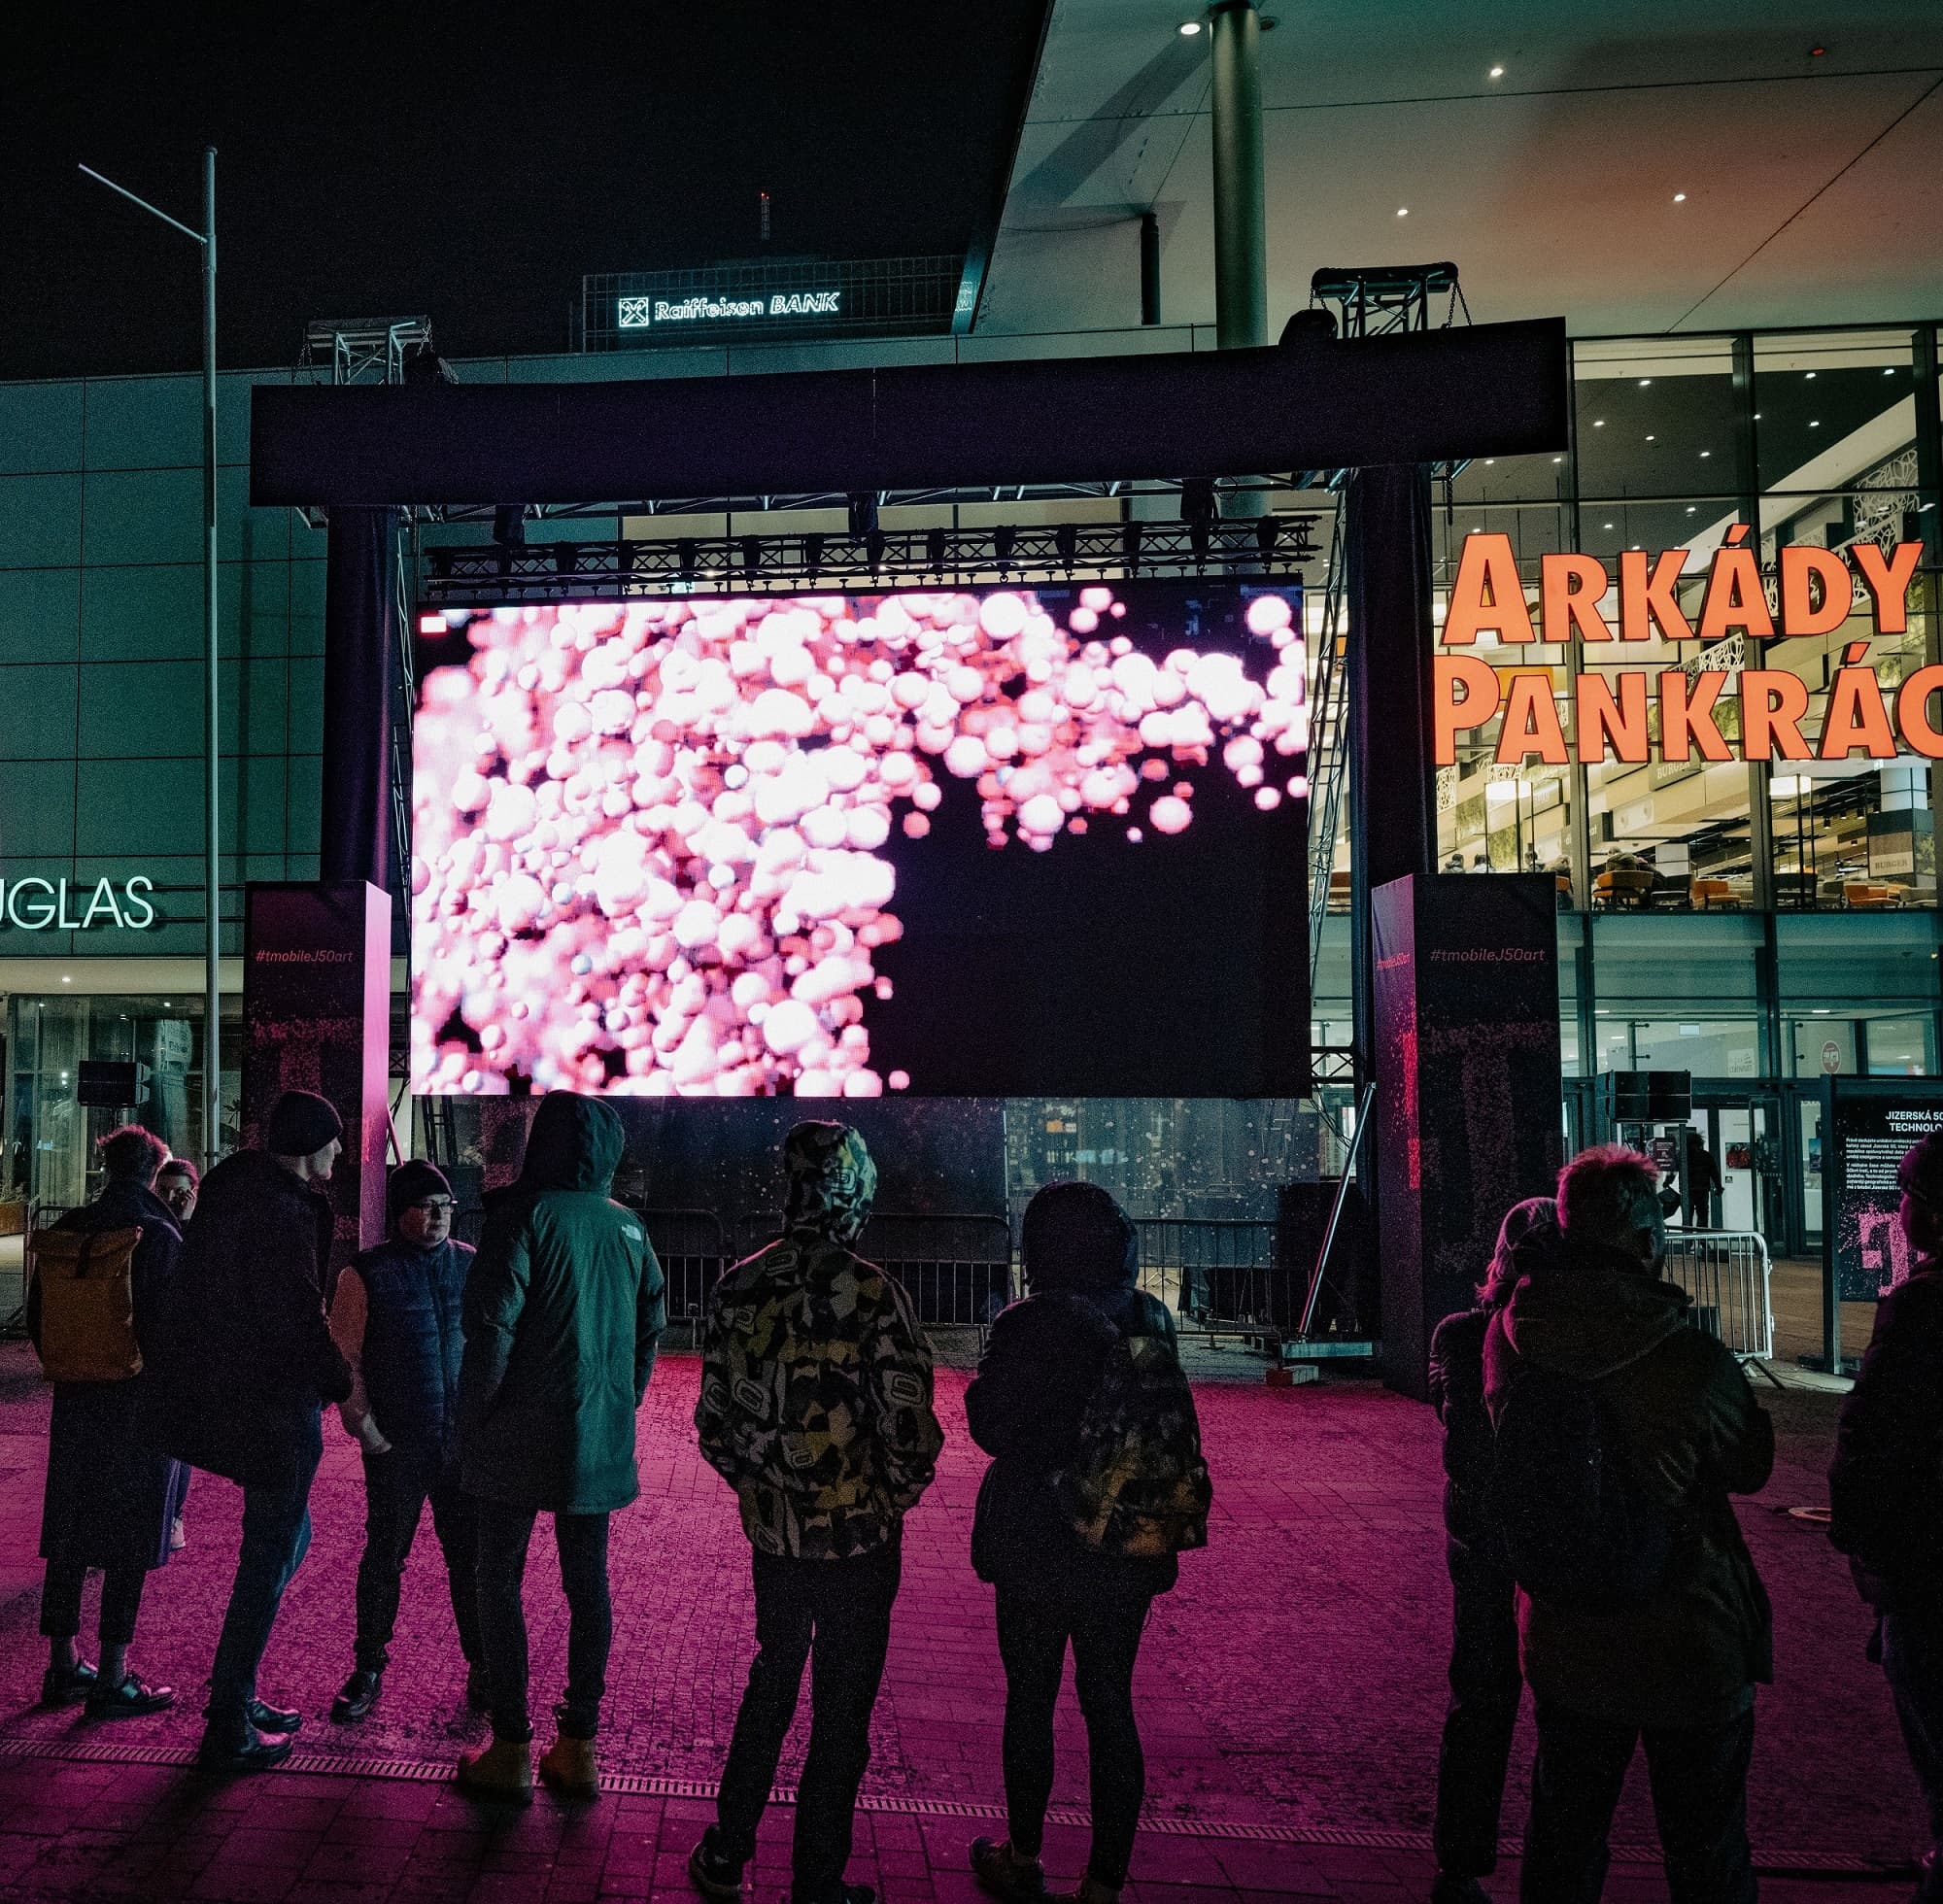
(648, 837)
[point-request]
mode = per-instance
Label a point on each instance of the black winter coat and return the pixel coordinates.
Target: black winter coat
(1457, 1394)
(253, 1358)
(111, 1494)
(1043, 1361)
(1885, 1485)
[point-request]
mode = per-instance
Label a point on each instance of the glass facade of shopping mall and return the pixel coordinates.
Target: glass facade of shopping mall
(1758, 926)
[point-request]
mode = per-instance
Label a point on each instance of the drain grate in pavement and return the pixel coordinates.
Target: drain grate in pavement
(635, 1784)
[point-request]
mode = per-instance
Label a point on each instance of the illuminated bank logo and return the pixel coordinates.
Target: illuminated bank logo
(37, 906)
(636, 312)
(644, 312)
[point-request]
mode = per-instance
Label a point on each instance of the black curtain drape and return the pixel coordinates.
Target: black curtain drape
(359, 643)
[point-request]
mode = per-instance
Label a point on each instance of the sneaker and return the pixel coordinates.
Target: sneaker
(713, 1872)
(1005, 1872)
(132, 1698)
(67, 1685)
(356, 1696)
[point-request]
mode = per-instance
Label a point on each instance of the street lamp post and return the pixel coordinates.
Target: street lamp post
(212, 1005)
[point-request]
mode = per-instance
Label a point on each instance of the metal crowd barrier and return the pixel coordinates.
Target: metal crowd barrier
(1725, 1273)
(1218, 1274)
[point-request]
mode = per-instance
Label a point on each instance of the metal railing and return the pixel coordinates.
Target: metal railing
(1725, 1273)
(1328, 742)
(1219, 1275)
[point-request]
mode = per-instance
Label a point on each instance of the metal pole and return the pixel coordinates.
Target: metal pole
(212, 1002)
(1240, 231)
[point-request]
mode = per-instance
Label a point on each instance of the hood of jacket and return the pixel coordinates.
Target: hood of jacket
(1075, 1237)
(124, 1201)
(575, 1143)
(830, 1181)
(1587, 1309)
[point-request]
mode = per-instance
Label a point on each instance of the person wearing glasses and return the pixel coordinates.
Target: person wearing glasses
(397, 1318)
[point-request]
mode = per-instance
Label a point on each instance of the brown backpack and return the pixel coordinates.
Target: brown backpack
(86, 1281)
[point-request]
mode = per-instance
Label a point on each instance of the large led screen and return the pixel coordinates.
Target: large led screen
(996, 842)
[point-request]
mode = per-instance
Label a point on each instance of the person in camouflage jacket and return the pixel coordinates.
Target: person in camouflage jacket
(816, 1389)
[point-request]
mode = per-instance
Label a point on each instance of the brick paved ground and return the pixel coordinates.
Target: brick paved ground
(1292, 1685)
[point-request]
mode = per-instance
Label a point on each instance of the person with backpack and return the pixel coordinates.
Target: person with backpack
(396, 1315)
(563, 1311)
(252, 1365)
(98, 1311)
(1620, 1432)
(1885, 1488)
(816, 1390)
(1096, 1484)
(1486, 1683)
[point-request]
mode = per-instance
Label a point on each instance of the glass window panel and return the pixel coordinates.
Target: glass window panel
(1901, 1048)
(1655, 417)
(1834, 410)
(1823, 1045)
(1839, 960)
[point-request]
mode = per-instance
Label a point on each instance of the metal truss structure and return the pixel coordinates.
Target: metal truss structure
(1374, 300)
(1276, 545)
(366, 350)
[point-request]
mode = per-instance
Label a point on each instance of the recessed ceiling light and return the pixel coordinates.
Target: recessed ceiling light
(1813, 422)
(1497, 72)
(1650, 437)
(1609, 524)
(1489, 461)
(1558, 458)
(1598, 422)
(1644, 382)
(1691, 509)
(1679, 198)
(65, 979)
(1639, 545)
(1891, 371)
(1705, 453)
(1816, 53)
(1757, 416)
(1190, 28)
(1402, 211)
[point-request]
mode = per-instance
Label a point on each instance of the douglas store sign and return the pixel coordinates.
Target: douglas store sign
(1817, 591)
(36, 906)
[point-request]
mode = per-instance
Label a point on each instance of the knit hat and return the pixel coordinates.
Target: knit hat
(412, 1182)
(1920, 1172)
(300, 1123)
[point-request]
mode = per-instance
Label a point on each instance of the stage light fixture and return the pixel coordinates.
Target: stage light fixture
(1130, 546)
(509, 526)
(684, 558)
(933, 551)
(812, 553)
(752, 554)
(1004, 538)
(441, 564)
(565, 557)
(1066, 541)
(863, 515)
(1267, 532)
(873, 546)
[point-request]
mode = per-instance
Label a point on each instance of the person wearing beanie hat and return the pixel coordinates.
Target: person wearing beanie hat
(816, 1388)
(396, 1315)
(1885, 1485)
(249, 1365)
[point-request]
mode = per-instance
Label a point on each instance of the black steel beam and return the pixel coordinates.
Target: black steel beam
(1425, 397)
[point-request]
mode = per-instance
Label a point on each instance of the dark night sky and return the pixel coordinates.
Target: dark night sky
(470, 162)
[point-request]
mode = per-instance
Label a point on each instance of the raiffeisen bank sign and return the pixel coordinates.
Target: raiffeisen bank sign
(37, 906)
(1817, 591)
(644, 312)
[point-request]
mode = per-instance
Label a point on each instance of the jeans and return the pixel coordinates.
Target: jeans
(276, 1535)
(1700, 1778)
(504, 1534)
(1485, 1686)
(835, 1616)
(1105, 1638)
(121, 1602)
(396, 1488)
(1911, 1658)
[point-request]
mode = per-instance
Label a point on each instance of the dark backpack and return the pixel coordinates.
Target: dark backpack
(1138, 1486)
(1579, 1530)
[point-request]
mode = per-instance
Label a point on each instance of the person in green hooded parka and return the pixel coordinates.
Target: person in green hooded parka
(563, 1309)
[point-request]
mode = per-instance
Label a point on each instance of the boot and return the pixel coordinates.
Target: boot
(356, 1696)
(570, 1768)
(1005, 1872)
(278, 1721)
(67, 1685)
(229, 1749)
(503, 1771)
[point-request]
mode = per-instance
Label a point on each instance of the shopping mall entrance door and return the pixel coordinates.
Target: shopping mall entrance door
(1742, 1134)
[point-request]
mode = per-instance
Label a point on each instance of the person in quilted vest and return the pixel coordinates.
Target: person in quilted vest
(816, 1389)
(396, 1315)
(1043, 1364)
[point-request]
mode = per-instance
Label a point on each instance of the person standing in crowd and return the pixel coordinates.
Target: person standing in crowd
(178, 1183)
(1703, 1181)
(109, 1496)
(1486, 1683)
(1042, 1381)
(815, 1408)
(395, 1314)
(562, 1312)
(252, 1365)
(1885, 1488)
(1673, 1664)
